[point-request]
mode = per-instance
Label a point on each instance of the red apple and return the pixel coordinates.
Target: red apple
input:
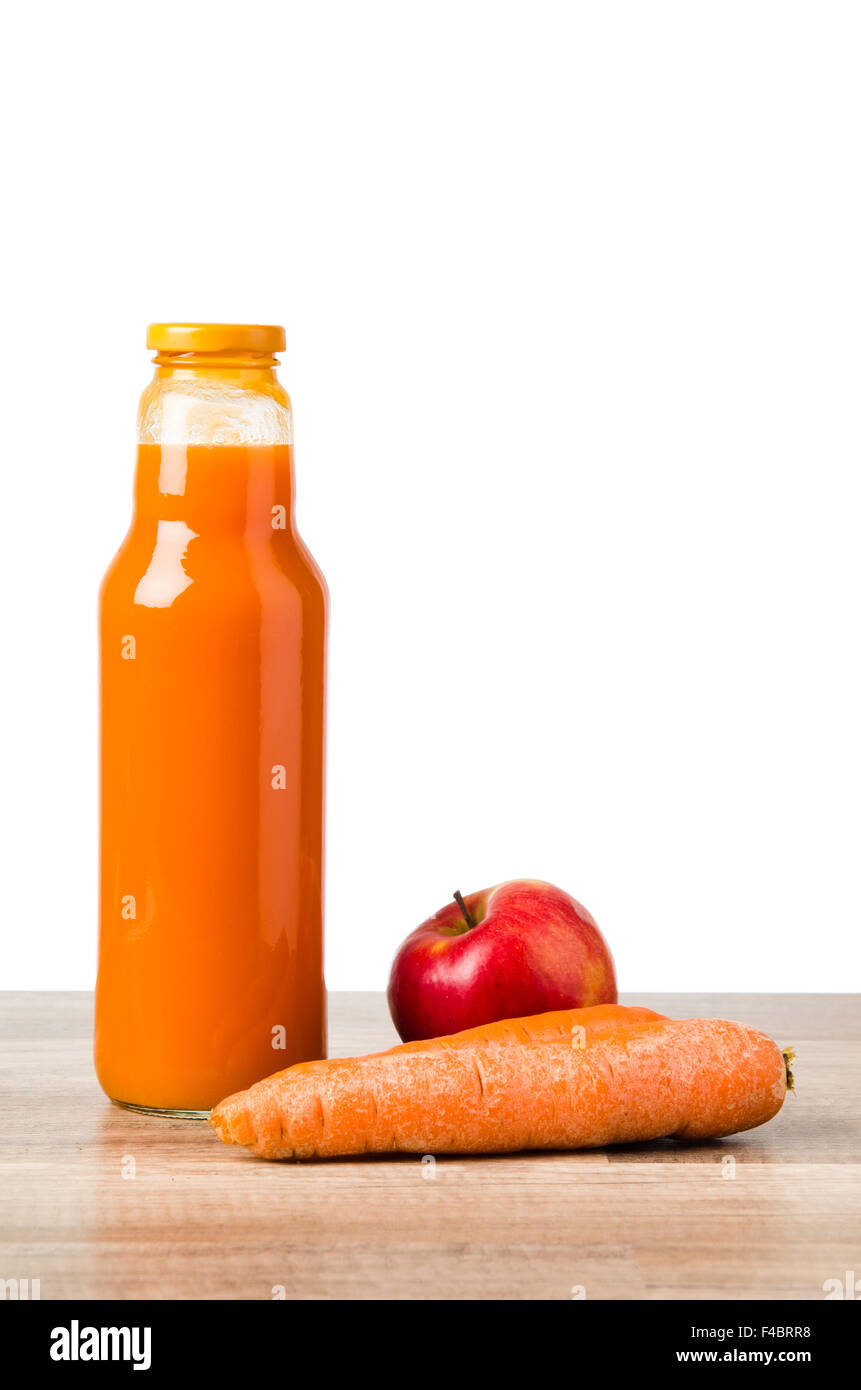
(520, 948)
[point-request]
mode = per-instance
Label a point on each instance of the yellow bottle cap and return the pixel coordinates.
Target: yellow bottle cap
(215, 337)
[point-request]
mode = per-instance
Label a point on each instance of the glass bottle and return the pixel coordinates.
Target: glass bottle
(213, 639)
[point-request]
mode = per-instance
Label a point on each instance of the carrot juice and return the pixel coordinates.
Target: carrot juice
(213, 630)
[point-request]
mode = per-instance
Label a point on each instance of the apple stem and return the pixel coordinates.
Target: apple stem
(464, 909)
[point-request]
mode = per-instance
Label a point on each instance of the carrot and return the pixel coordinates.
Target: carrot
(695, 1079)
(574, 1027)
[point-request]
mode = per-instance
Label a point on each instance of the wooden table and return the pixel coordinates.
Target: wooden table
(770, 1214)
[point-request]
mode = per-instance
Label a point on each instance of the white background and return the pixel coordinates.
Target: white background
(573, 304)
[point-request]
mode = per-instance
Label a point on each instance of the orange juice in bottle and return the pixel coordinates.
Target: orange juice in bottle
(213, 638)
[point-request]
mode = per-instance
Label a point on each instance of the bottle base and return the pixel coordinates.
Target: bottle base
(165, 1114)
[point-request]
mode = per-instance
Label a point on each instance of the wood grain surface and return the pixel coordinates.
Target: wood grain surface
(97, 1202)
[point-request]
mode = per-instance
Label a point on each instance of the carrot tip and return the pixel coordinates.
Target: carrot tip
(221, 1125)
(788, 1059)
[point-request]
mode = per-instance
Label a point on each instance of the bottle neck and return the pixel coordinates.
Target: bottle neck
(220, 398)
(237, 489)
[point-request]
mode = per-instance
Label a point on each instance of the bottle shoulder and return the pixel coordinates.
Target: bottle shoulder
(165, 563)
(312, 569)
